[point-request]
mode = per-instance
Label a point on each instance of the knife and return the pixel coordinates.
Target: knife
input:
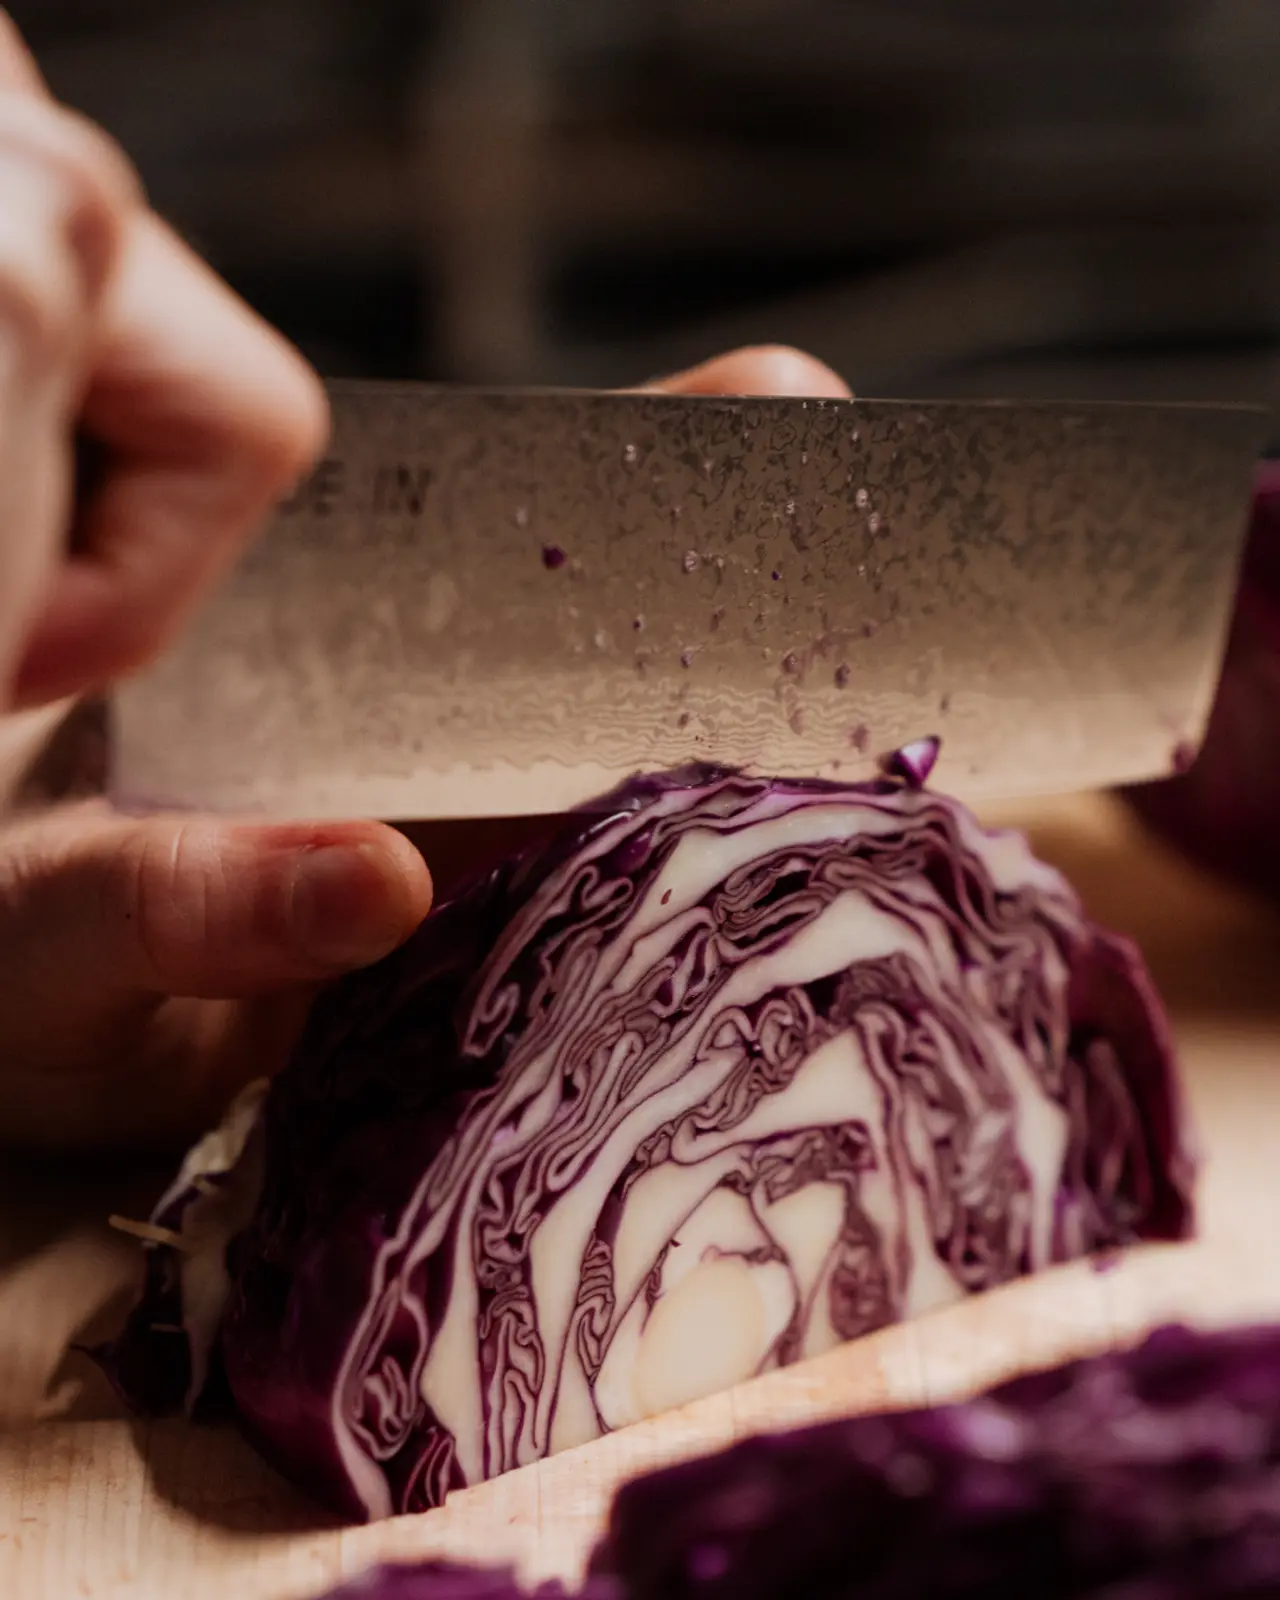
(483, 604)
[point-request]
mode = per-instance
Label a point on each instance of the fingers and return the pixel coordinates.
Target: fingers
(204, 417)
(65, 196)
(758, 370)
(197, 907)
(208, 419)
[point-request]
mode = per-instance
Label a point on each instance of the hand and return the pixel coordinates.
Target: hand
(151, 967)
(198, 416)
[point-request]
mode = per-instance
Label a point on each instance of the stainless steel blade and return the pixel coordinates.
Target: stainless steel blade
(486, 604)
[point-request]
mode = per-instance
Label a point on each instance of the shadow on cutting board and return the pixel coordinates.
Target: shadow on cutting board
(212, 1474)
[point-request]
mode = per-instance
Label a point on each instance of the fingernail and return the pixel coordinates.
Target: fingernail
(349, 908)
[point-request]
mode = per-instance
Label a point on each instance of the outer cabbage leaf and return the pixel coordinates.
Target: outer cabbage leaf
(1223, 810)
(1148, 1475)
(727, 1073)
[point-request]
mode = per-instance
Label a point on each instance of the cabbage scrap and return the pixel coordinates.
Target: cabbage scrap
(730, 1072)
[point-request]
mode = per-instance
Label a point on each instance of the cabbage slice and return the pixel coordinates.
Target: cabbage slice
(729, 1072)
(1146, 1474)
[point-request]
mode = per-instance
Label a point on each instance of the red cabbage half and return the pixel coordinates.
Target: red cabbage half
(729, 1072)
(1224, 811)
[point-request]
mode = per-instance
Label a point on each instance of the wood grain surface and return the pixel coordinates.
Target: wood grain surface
(95, 1506)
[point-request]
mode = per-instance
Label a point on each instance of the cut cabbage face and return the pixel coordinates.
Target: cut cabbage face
(729, 1072)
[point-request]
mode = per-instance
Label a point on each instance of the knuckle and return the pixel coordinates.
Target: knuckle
(107, 194)
(157, 894)
(782, 366)
(38, 302)
(287, 448)
(65, 194)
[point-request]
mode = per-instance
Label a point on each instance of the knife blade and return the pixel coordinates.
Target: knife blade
(496, 603)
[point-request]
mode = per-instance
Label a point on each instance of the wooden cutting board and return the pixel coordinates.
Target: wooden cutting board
(93, 1506)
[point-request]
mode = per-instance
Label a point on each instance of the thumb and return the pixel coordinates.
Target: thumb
(197, 906)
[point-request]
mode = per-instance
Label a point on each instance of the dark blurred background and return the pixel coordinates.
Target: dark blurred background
(1021, 197)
